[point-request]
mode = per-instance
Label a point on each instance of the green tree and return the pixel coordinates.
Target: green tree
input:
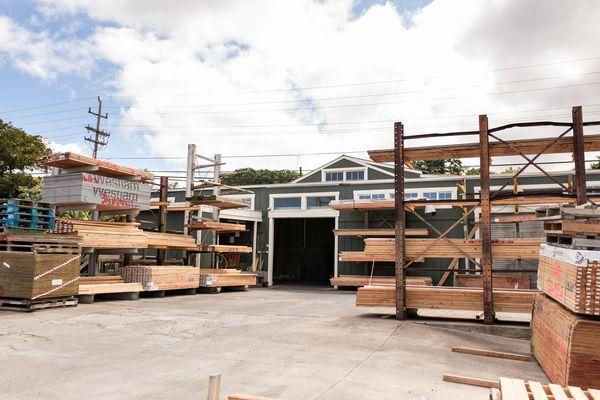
(596, 165)
(33, 193)
(472, 171)
(250, 176)
(452, 166)
(510, 171)
(19, 153)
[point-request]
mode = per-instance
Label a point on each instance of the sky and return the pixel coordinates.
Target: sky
(290, 84)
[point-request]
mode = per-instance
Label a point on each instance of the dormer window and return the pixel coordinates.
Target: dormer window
(334, 176)
(344, 175)
(355, 175)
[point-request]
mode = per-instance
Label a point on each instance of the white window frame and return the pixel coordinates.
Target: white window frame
(389, 193)
(343, 171)
(303, 201)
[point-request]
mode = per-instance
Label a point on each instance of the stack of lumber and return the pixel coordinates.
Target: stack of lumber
(162, 277)
(222, 248)
(221, 202)
(72, 160)
(32, 276)
(379, 232)
(565, 344)
(12, 239)
(108, 235)
(104, 284)
(210, 277)
(572, 277)
(221, 227)
(160, 240)
(500, 281)
(446, 298)
(383, 249)
(365, 280)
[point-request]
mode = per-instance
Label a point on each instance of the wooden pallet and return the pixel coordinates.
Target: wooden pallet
(518, 389)
(26, 305)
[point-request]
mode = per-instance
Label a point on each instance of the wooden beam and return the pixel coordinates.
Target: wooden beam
(579, 156)
(490, 353)
(466, 380)
(485, 231)
(472, 150)
(399, 216)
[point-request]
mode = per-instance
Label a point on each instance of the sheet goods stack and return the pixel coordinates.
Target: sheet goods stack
(572, 277)
(162, 277)
(565, 344)
(95, 184)
(105, 235)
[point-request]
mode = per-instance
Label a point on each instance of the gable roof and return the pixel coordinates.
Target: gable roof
(387, 169)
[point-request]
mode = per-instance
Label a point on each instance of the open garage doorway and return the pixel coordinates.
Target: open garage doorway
(304, 250)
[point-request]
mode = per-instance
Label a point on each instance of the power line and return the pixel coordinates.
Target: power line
(47, 105)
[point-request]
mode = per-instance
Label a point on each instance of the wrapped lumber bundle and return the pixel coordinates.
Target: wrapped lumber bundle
(33, 276)
(107, 235)
(572, 277)
(225, 277)
(565, 344)
(162, 277)
(364, 280)
(160, 240)
(501, 281)
(446, 298)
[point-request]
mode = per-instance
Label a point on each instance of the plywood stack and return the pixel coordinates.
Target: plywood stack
(446, 298)
(565, 344)
(162, 277)
(107, 235)
(572, 277)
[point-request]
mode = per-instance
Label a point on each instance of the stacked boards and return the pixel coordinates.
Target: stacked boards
(160, 240)
(565, 344)
(106, 235)
(222, 248)
(225, 277)
(162, 277)
(501, 281)
(107, 285)
(365, 280)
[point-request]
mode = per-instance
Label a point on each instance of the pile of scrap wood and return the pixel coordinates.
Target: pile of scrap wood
(446, 298)
(384, 249)
(565, 344)
(225, 277)
(105, 235)
(162, 277)
(572, 277)
(365, 280)
(175, 241)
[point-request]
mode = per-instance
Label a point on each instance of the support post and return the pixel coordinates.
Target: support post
(214, 387)
(485, 222)
(579, 156)
(189, 191)
(399, 216)
(162, 216)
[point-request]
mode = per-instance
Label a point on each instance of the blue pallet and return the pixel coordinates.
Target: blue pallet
(16, 213)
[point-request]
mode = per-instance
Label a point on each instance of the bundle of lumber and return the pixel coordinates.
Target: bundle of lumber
(383, 249)
(211, 277)
(222, 202)
(222, 248)
(106, 284)
(160, 240)
(162, 277)
(12, 239)
(446, 298)
(572, 277)
(221, 227)
(379, 232)
(365, 280)
(500, 281)
(108, 235)
(565, 344)
(32, 276)
(72, 160)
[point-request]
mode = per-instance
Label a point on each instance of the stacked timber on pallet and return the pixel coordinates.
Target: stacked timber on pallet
(105, 235)
(500, 281)
(155, 278)
(107, 285)
(365, 280)
(220, 227)
(565, 344)
(447, 298)
(225, 277)
(383, 249)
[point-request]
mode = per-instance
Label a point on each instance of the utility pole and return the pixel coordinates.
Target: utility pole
(98, 133)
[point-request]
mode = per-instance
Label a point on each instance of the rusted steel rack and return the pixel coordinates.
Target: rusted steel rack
(489, 145)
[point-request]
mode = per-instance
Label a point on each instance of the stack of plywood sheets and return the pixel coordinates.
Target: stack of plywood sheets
(565, 344)
(160, 240)
(446, 298)
(501, 281)
(107, 284)
(572, 277)
(383, 249)
(163, 277)
(365, 280)
(108, 235)
(33, 276)
(225, 277)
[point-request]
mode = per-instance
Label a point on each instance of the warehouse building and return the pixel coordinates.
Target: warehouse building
(290, 226)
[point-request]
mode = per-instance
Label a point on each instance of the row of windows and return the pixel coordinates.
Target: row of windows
(295, 203)
(444, 195)
(338, 176)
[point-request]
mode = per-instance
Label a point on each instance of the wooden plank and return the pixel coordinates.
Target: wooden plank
(246, 397)
(594, 394)
(576, 393)
(558, 392)
(466, 380)
(104, 288)
(379, 232)
(221, 227)
(491, 353)
(537, 391)
(160, 240)
(222, 248)
(221, 202)
(364, 280)
(473, 150)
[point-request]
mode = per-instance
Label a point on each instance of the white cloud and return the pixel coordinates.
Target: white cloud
(167, 53)
(64, 147)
